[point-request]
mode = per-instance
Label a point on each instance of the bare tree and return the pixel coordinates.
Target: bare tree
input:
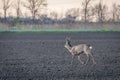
(115, 12)
(17, 7)
(54, 14)
(100, 11)
(73, 12)
(85, 9)
(119, 12)
(6, 6)
(34, 6)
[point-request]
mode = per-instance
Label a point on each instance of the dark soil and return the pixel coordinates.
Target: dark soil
(42, 56)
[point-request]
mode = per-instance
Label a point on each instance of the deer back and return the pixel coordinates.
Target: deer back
(79, 48)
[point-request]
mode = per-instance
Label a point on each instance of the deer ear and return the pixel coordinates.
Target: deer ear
(68, 39)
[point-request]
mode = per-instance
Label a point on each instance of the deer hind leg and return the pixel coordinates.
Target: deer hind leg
(80, 60)
(88, 58)
(92, 58)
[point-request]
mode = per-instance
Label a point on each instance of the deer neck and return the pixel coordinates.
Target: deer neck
(69, 47)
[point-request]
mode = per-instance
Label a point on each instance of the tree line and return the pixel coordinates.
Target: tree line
(87, 13)
(32, 5)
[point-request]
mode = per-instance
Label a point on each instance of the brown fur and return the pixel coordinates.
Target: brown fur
(78, 50)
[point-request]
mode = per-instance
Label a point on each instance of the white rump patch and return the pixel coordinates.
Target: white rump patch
(90, 47)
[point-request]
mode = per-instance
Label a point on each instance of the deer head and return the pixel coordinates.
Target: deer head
(67, 43)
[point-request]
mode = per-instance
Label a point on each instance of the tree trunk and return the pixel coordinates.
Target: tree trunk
(5, 14)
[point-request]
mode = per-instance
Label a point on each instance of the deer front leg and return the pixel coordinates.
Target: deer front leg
(72, 59)
(80, 59)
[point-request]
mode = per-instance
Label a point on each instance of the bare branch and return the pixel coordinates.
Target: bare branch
(100, 11)
(6, 6)
(34, 6)
(85, 5)
(17, 7)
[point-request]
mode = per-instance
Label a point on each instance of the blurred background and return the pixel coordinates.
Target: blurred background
(59, 14)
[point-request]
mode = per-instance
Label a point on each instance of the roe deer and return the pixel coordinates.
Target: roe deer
(78, 50)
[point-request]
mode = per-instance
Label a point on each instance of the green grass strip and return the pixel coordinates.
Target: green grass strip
(54, 31)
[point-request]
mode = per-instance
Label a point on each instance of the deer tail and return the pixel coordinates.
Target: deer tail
(90, 47)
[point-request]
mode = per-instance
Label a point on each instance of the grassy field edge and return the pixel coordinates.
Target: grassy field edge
(54, 31)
